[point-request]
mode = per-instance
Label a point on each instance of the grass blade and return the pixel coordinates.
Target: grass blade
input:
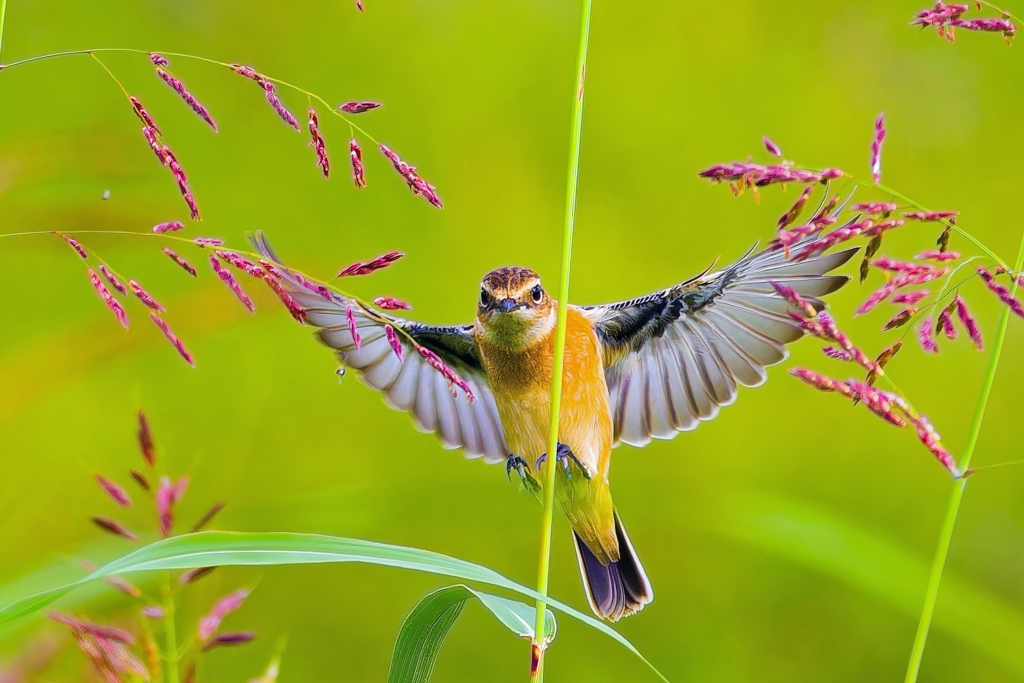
(424, 630)
(225, 548)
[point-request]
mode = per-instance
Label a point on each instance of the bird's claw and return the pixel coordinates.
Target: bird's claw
(562, 456)
(514, 462)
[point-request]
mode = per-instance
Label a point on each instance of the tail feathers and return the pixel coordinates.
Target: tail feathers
(617, 589)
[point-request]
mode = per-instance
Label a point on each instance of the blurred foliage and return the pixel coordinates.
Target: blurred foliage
(478, 96)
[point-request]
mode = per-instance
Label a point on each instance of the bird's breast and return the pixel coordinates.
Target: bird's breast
(521, 381)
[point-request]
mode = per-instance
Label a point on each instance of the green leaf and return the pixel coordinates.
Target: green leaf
(225, 548)
(424, 630)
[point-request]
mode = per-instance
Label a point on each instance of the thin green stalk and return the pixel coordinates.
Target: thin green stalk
(946, 534)
(537, 663)
(3, 15)
(170, 634)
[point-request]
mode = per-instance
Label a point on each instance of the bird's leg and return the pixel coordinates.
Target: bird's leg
(562, 456)
(514, 462)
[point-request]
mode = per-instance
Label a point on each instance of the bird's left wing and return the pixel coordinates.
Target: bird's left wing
(409, 382)
(672, 358)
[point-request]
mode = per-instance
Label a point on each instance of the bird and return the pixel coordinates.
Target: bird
(634, 370)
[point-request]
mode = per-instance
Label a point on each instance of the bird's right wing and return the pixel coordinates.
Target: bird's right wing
(409, 382)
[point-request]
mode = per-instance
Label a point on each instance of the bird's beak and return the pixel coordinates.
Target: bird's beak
(507, 305)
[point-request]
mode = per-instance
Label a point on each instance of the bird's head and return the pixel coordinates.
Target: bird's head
(514, 311)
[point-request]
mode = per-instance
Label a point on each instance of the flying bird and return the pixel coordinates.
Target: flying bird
(636, 370)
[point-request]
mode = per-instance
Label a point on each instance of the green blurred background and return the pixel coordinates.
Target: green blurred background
(787, 540)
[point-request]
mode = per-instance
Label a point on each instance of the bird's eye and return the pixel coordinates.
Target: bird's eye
(485, 298)
(537, 294)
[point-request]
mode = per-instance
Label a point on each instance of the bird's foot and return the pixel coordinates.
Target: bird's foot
(514, 462)
(562, 456)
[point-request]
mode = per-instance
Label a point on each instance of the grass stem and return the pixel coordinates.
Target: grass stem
(957, 494)
(537, 662)
(170, 634)
(3, 16)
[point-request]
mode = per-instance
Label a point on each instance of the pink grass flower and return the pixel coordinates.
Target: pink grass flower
(924, 335)
(207, 517)
(139, 479)
(193, 575)
(318, 143)
(874, 207)
(109, 299)
(991, 25)
(794, 211)
(351, 319)
(238, 261)
(170, 226)
(165, 497)
(123, 586)
(1001, 292)
(367, 267)
(453, 379)
(360, 6)
(910, 298)
(158, 59)
(771, 147)
(112, 279)
(940, 256)
(945, 322)
(145, 297)
(208, 241)
(188, 267)
(182, 179)
(837, 353)
(112, 527)
(315, 287)
(359, 107)
(418, 185)
(105, 632)
(270, 90)
(396, 343)
(144, 116)
(355, 154)
(145, 438)
(114, 490)
(150, 134)
(231, 638)
(153, 612)
(821, 382)
(388, 303)
(228, 278)
(294, 309)
(794, 299)
(876, 149)
(927, 216)
(73, 243)
(931, 440)
(173, 338)
(187, 97)
(885, 263)
(969, 323)
(210, 622)
(901, 319)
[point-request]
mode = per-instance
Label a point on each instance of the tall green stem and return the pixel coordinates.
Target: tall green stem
(3, 15)
(946, 534)
(170, 634)
(537, 663)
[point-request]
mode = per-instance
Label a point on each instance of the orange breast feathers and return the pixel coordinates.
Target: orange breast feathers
(521, 380)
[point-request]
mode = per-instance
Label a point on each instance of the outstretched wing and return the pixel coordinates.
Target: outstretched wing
(409, 383)
(672, 358)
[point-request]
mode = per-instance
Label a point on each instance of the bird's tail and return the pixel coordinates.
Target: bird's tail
(617, 589)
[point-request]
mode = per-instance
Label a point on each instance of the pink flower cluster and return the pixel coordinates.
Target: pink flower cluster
(418, 185)
(946, 17)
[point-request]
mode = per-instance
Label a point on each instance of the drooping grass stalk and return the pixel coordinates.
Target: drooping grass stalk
(957, 494)
(170, 634)
(537, 662)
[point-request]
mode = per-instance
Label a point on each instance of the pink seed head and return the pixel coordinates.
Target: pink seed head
(233, 638)
(171, 337)
(365, 268)
(297, 312)
(158, 60)
(112, 527)
(794, 211)
(359, 107)
(197, 107)
(112, 303)
(145, 297)
(139, 479)
(153, 612)
(193, 575)
(170, 226)
(114, 490)
(876, 149)
(910, 298)
(391, 304)
(453, 379)
(228, 278)
(771, 147)
(356, 156)
(924, 335)
(945, 322)
(969, 323)
(144, 116)
(209, 623)
(874, 207)
(940, 256)
(794, 299)
(351, 319)
(418, 185)
(165, 497)
(270, 90)
(189, 268)
(208, 241)
(145, 437)
(396, 343)
(123, 586)
(930, 215)
(73, 243)
(112, 279)
(318, 143)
